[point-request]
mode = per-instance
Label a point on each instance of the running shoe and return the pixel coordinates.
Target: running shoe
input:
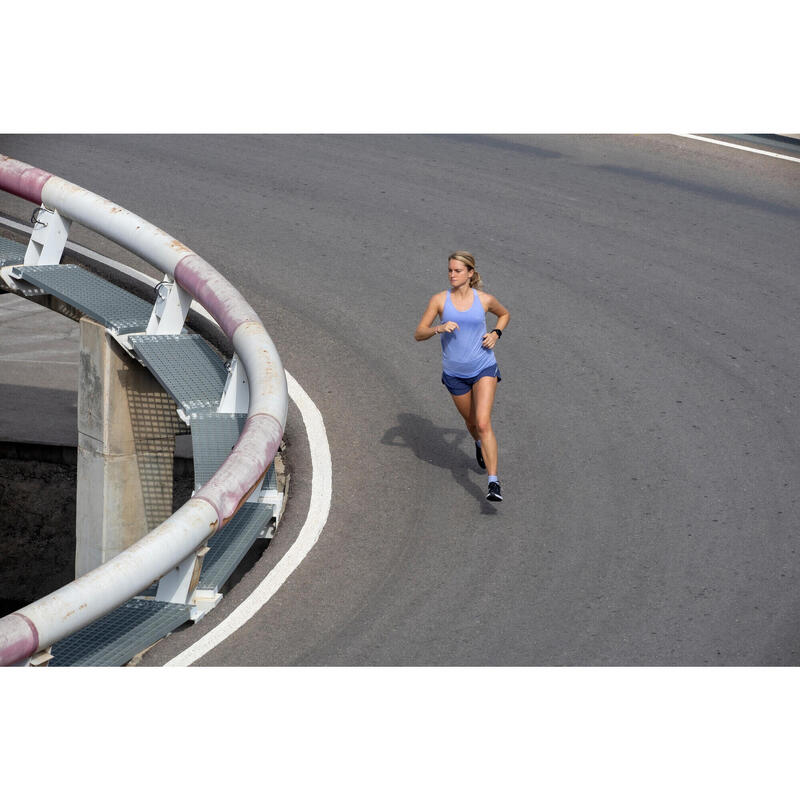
(479, 456)
(494, 492)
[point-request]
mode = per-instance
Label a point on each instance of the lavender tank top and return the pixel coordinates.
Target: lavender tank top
(463, 355)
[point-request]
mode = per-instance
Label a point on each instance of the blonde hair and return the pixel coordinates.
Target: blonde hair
(468, 260)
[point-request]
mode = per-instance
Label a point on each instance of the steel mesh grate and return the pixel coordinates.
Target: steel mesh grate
(270, 479)
(117, 637)
(120, 311)
(213, 438)
(230, 545)
(11, 253)
(186, 366)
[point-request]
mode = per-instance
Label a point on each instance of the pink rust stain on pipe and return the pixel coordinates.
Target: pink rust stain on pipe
(18, 639)
(22, 179)
(244, 468)
(214, 293)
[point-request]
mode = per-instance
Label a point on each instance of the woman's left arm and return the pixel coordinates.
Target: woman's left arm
(494, 306)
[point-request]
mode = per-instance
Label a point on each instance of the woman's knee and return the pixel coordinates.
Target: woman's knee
(483, 425)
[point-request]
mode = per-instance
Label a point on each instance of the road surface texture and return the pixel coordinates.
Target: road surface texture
(647, 418)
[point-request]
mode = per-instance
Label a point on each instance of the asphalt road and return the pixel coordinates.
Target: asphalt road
(647, 417)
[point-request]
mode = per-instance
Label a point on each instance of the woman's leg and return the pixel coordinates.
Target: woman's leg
(482, 402)
(464, 405)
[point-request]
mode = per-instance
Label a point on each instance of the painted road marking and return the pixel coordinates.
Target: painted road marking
(737, 146)
(321, 492)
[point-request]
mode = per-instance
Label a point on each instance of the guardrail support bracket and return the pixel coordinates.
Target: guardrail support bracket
(50, 232)
(179, 583)
(236, 394)
(170, 309)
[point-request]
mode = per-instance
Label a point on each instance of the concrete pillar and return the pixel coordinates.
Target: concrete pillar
(126, 444)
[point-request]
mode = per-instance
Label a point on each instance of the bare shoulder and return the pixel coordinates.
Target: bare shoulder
(487, 300)
(491, 303)
(438, 300)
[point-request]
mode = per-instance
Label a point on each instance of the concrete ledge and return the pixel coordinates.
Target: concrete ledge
(68, 455)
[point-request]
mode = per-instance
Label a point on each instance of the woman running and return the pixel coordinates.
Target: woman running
(469, 367)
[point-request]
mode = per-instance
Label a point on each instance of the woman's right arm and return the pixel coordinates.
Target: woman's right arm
(426, 328)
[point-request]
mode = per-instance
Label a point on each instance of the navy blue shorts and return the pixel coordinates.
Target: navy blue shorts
(459, 386)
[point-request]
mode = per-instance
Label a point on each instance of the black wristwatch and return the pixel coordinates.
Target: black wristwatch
(498, 332)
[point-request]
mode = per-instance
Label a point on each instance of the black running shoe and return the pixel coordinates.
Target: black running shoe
(494, 492)
(479, 456)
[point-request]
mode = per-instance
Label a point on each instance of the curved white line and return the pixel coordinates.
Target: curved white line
(737, 146)
(321, 492)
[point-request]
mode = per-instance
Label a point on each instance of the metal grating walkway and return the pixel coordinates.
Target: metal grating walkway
(186, 366)
(120, 311)
(213, 438)
(192, 372)
(11, 253)
(230, 545)
(116, 638)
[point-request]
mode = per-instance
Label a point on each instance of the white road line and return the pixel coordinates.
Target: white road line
(738, 146)
(321, 491)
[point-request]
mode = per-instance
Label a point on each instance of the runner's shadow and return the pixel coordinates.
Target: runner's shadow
(442, 447)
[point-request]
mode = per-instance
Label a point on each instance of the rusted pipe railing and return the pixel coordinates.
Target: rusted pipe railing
(72, 607)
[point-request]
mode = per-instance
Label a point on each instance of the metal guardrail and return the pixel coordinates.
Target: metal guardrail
(69, 609)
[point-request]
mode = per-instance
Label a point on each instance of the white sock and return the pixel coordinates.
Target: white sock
(493, 479)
